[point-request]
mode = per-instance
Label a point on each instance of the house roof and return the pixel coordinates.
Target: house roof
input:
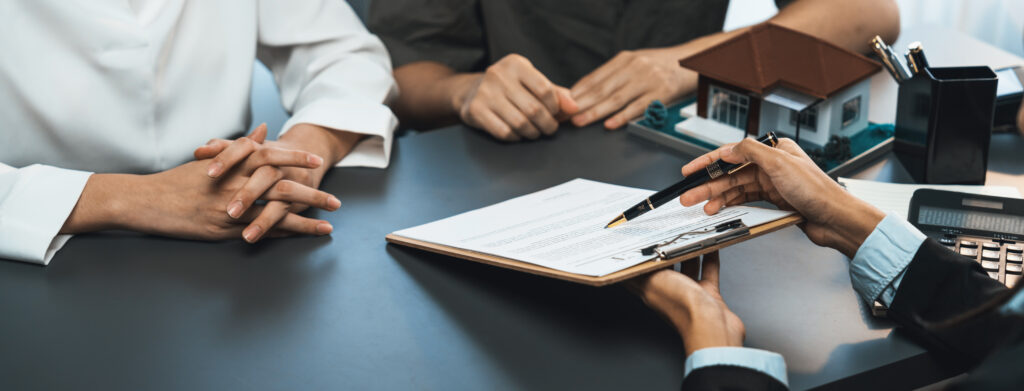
(769, 55)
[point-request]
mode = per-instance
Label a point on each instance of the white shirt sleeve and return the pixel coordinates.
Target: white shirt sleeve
(34, 203)
(331, 72)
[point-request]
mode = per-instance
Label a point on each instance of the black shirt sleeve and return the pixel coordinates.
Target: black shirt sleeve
(939, 285)
(726, 377)
(449, 32)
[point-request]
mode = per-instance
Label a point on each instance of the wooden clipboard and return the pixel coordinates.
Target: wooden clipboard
(608, 279)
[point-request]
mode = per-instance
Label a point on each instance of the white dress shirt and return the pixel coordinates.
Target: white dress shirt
(134, 86)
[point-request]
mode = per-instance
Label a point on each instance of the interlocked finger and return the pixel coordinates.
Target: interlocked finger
(297, 193)
(262, 180)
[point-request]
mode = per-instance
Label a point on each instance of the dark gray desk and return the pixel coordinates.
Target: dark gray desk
(123, 311)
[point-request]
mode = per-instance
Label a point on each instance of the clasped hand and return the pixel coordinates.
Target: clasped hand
(512, 100)
(248, 170)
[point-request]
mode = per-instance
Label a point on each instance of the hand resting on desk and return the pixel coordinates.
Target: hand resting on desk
(191, 201)
(272, 182)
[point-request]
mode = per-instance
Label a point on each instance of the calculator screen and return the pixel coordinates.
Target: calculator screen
(969, 219)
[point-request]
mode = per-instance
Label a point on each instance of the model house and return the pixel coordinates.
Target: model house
(774, 78)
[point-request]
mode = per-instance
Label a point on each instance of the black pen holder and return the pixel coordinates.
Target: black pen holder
(944, 124)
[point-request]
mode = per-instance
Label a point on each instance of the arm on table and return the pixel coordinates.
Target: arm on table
(613, 91)
(333, 75)
(443, 72)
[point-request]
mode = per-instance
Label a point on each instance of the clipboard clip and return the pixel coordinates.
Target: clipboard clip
(720, 233)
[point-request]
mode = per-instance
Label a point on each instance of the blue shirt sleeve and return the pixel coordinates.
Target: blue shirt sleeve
(878, 267)
(769, 363)
(876, 272)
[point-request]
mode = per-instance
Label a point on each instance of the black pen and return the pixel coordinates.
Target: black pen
(896, 68)
(712, 171)
(916, 58)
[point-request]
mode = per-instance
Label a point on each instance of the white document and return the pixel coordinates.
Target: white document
(895, 197)
(563, 227)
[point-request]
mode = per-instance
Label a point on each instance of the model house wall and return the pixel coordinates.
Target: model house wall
(754, 80)
(828, 116)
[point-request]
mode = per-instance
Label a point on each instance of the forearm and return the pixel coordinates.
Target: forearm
(431, 94)
(103, 204)
(849, 24)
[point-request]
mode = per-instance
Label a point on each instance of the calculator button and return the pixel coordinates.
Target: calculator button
(1015, 258)
(1012, 279)
(989, 254)
(1014, 268)
(989, 265)
(990, 246)
(1015, 248)
(969, 252)
(994, 275)
(968, 243)
(947, 241)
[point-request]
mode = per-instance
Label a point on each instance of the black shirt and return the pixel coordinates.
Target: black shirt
(564, 39)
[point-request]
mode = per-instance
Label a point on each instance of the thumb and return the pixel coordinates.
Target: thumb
(709, 269)
(259, 135)
(566, 104)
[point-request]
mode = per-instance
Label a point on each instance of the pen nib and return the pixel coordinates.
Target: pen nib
(618, 220)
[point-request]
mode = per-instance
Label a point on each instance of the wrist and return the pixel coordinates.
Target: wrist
(704, 325)
(856, 222)
(458, 90)
(331, 145)
(103, 205)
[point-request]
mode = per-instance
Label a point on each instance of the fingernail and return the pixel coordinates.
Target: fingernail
(324, 228)
(252, 233)
(214, 169)
(333, 203)
(235, 209)
(314, 160)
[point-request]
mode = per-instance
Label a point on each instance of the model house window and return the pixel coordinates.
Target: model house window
(808, 120)
(851, 111)
(728, 107)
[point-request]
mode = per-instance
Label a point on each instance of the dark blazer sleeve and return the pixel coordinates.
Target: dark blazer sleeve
(938, 285)
(727, 377)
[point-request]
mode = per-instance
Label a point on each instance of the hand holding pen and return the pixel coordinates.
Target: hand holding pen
(786, 177)
(711, 171)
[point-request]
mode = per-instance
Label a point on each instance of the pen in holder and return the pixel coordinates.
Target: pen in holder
(944, 124)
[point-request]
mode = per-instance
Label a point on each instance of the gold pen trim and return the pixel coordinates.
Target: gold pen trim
(739, 167)
(618, 220)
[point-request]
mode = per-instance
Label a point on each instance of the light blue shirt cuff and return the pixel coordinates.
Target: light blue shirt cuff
(769, 363)
(878, 267)
(1015, 306)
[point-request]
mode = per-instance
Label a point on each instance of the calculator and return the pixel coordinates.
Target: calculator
(985, 229)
